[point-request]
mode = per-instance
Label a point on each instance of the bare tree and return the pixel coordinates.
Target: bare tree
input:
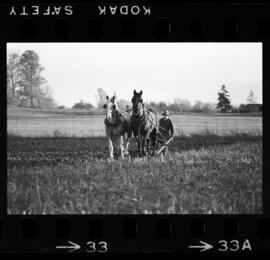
(198, 106)
(251, 99)
(181, 105)
(13, 65)
(44, 98)
(101, 97)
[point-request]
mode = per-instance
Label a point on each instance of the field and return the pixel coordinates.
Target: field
(57, 164)
(70, 123)
(203, 175)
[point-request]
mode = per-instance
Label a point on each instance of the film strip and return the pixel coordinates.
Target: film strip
(134, 233)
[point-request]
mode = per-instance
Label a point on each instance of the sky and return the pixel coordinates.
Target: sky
(163, 71)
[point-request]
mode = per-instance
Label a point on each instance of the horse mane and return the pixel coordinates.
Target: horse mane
(121, 116)
(151, 110)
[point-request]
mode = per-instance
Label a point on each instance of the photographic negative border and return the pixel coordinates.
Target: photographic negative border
(167, 22)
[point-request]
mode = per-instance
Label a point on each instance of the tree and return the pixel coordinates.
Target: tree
(151, 104)
(161, 106)
(30, 78)
(123, 103)
(198, 106)
(181, 105)
(235, 109)
(251, 99)
(101, 97)
(44, 97)
(208, 107)
(82, 105)
(224, 102)
(12, 76)
(25, 85)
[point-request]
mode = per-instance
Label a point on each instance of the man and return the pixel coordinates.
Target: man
(128, 109)
(166, 130)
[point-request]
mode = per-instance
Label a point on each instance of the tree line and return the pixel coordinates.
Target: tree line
(223, 104)
(178, 105)
(26, 87)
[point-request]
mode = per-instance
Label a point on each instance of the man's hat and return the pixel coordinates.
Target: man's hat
(166, 113)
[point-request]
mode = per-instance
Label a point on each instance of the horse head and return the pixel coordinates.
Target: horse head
(111, 109)
(137, 102)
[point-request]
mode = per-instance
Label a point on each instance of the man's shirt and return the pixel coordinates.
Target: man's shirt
(166, 128)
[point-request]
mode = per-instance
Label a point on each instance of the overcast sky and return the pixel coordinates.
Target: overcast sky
(163, 71)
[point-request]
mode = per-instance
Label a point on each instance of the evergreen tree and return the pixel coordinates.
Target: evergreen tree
(224, 102)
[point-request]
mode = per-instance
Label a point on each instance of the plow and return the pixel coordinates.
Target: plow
(163, 142)
(163, 145)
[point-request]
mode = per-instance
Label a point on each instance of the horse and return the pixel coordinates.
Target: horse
(144, 124)
(117, 127)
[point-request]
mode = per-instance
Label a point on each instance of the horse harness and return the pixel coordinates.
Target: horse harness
(141, 120)
(120, 118)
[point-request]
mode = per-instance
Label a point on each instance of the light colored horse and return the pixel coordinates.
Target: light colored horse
(117, 127)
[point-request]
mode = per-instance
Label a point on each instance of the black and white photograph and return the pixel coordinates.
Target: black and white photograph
(134, 128)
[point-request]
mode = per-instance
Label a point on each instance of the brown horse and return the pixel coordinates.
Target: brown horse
(117, 127)
(144, 123)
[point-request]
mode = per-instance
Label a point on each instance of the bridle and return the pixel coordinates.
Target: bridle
(141, 112)
(115, 122)
(140, 117)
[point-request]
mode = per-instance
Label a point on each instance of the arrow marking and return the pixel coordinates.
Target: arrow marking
(204, 247)
(73, 247)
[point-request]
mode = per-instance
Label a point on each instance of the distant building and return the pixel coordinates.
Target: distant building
(248, 108)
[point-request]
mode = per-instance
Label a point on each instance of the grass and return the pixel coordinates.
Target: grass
(204, 174)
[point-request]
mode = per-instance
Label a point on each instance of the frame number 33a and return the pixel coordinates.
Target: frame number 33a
(233, 245)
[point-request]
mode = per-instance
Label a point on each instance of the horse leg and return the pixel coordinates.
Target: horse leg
(127, 138)
(110, 147)
(147, 145)
(147, 142)
(143, 145)
(140, 145)
(121, 146)
(147, 139)
(137, 142)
